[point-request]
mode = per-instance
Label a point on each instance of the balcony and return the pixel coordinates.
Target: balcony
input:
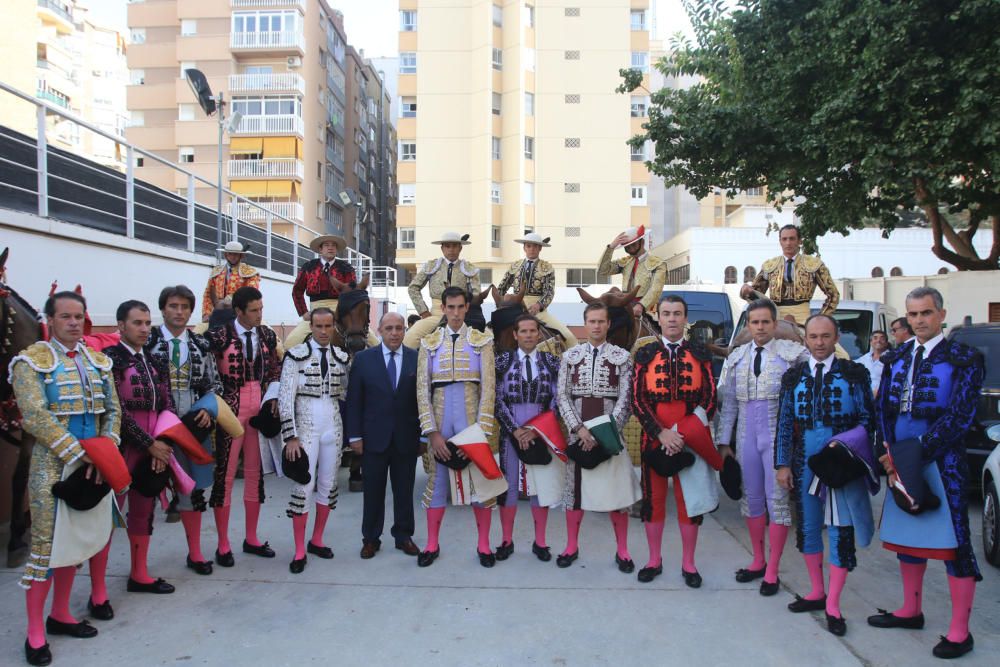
(49, 96)
(284, 41)
(283, 82)
(52, 11)
(268, 4)
(280, 167)
(255, 213)
(287, 124)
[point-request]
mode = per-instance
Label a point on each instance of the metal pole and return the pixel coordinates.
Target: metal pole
(218, 212)
(42, 161)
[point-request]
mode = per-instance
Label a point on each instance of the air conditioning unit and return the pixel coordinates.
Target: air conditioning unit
(294, 61)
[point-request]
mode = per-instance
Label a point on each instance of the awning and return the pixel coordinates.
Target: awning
(281, 147)
(279, 188)
(243, 145)
(249, 188)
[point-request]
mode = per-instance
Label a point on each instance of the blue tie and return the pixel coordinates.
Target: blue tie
(391, 366)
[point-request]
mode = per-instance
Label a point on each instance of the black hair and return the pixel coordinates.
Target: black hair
(50, 303)
(672, 298)
(818, 316)
(179, 291)
(126, 307)
(901, 321)
(453, 291)
(798, 233)
(244, 296)
(597, 305)
(526, 317)
(763, 304)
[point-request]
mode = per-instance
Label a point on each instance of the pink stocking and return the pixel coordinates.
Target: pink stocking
(222, 528)
(776, 535)
(756, 526)
(98, 568)
(541, 517)
(838, 577)
(299, 522)
(435, 515)
(507, 515)
(139, 545)
(913, 589)
(689, 540)
(654, 536)
(573, 520)
(814, 564)
(319, 525)
(963, 590)
(35, 598)
(252, 519)
(619, 520)
(483, 521)
(62, 588)
(192, 530)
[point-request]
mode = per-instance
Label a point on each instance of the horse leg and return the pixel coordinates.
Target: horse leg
(8, 465)
(20, 519)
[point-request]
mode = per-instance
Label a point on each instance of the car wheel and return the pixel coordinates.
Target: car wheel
(991, 524)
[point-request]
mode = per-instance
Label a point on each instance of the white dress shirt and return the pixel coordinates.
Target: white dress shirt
(533, 355)
(169, 338)
(399, 360)
(827, 363)
(254, 336)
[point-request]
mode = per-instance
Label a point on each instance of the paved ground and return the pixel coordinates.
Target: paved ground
(387, 611)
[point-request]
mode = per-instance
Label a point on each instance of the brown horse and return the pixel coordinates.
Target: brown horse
(787, 329)
(353, 318)
(20, 326)
(626, 328)
(509, 307)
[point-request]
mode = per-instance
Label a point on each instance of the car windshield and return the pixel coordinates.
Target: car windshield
(855, 330)
(707, 326)
(988, 343)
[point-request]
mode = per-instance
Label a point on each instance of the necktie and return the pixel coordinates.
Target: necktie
(672, 349)
(324, 365)
(818, 388)
(788, 271)
(527, 369)
(326, 268)
(248, 352)
(451, 266)
(593, 363)
(391, 368)
(918, 359)
(71, 354)
(175, 355)
(454, 339)
(756, 362)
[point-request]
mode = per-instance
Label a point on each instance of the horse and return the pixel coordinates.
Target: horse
(352, 319)
(626, 329)
(788, 329)
(509, 307)
(20, 326)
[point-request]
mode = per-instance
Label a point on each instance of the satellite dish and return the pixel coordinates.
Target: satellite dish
(202, 91)
(346, 198)
(234, 122)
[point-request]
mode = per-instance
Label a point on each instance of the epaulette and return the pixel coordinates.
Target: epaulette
(432, 341)
(792, 375)
(246, 271)
(543, 268)
(889, 357)
(340, 354)
(654, 262)
(772, 264)
(788, 350)
(308, 266)
(432, 265)
(617, 355)
(478, 338)
(503, 361)
(854, 372)
(216, 270)
(648, 352)
(39, 356)
(98, 359)
(699, 351)
(961, 355)
(468, 269)
(574, 354)
(300, 352)
(809, 263)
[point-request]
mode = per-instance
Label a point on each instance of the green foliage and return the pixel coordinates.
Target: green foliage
(860, 110)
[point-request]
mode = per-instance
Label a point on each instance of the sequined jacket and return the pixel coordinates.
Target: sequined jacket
(469, 361)
(649, 275)
(808, 273)
(435, 274)
(198, 374)
(658, 378)
(220, 285)
(610, 379)
(302, 378)
(514, 389)
(314, 283)
(139, 391)
(234, 372)
(541, 282)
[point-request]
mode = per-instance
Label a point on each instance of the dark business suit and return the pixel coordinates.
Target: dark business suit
(388, 423)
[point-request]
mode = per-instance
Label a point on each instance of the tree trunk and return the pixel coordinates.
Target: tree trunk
(964, 256)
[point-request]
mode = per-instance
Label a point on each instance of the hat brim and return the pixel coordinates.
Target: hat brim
(241, 252)
(320, 240)
(443, 241)
(635, 240)
(541, 243)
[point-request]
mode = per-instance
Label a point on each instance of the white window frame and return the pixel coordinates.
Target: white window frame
(189, 27)
(640, 25)
(639, 106)
(252, 21)
(498, 16)
(406, 238)
(529, 60)
(529, 104)
(137, 36)
(137, 77)
(408, 109)
(185, 152)
(497, 58)
(186, 111)
(407, 151)
(638, 196)
(529, 148)
(496, 236)
(528, 16)
(528, 194)
(640, 61)
(496, 193)
(186, 65)
(637, 153)
(137, 119)
(495, 150)
(407, 20)
(407, 194)
(496, 101)
(408, 62)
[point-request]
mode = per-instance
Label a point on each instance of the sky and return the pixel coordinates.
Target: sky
(373, 25)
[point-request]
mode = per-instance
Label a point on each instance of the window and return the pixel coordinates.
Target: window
(640, 61)
(140, 161)
(638, 153)
(529, 148)
(877, 272)
(730, 275)
(571, 11)
(571, 55)
(573, 188)
(407, 62)
(496, 104)
(497, 59)
(571, 142)
(755, 192)
(408, 107)
(943, 270)
(485, 276)
(497, 15)
(185, 154)
(895, 272)
(581, 277)
(266, 22)
(529, 16)
(407, 194)
(189, 27)
(529, 194)
(638, 195)
(407, 22)
(571, 232)
(638, 19)
(137, 77)
(749, 273)
(640, 106)
(186, 65)
(529, 60)
(407, 151)
(571, 99)
(137, 35)
(185, 111)
(495, 147)
(137, 119)
(495, 196)
(495, 236)
(407, 238)
(529, 104)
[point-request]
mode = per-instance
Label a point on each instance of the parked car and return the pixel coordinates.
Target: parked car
(710, 319)
(979, 446)
(991, 500)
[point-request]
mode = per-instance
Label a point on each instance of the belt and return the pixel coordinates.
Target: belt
(439, 385)
(791, 303)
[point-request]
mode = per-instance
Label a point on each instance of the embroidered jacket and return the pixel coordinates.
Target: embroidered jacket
(660, 378)
(223, 283)
(197, 374)
(541, 281)
(469, 360)
(234, 371)
(314, 282)
(302, 378)
(650, 274)
(464, 274)
(808, 273)
(142, 387)
(513, 388)
(607, 377)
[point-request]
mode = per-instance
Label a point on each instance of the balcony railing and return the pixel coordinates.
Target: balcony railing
(270, 40)
(57, 8)
(49, 96)
(253, 211)
(268, 83)
(257, 4)
(280, 167)
(287, 124)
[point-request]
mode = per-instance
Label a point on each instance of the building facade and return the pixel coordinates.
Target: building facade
(509, 122)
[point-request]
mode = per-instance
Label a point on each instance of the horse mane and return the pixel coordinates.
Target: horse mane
(20, 299)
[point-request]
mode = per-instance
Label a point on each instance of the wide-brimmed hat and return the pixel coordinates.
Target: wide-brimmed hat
(635, 234)
(320, 240)
(236, 246)
(452, 237)
(535, 238)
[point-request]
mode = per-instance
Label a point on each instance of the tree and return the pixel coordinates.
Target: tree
(860, 110)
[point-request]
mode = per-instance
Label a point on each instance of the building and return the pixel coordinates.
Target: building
(509, 122)
(58, 53)
(284, 66)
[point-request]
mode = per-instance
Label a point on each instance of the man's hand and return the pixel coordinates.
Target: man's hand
(160, 452)
(784, 477)
(92, 473)
(671, 441)
(587, 441)
(725, 450)
(293, 449)
(524, 436)
(439, 448)
(424, 315)
(274, 407)
(746, 291)
(638, 309)
(618, 241)
(358, 447)
(534, 309)
(886, 461)
(203, 419)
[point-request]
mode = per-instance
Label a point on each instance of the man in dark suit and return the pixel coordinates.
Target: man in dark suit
(383, 427)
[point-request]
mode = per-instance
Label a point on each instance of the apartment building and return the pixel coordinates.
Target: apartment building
(283, 65)
(509, 122)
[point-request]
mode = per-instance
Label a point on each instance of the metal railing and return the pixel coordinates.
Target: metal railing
(284, 124)
(36, 177)
(249, 210)
(57, 8)
(271, 167)
(268, 39)
(49, 96)
(270, 83)
(253, 4)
